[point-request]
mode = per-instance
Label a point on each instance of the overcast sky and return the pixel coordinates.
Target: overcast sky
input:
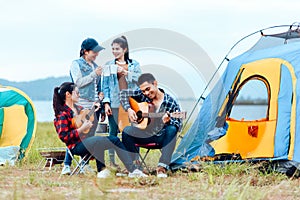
(40, 38)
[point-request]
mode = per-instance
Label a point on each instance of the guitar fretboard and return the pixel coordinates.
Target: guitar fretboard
(158, 115)
(153, 115)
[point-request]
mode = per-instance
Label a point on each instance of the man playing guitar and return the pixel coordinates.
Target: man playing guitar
(162, 130)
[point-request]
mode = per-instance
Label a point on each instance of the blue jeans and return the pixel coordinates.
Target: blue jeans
(96, 145)
(132, 135)
(113, 130)
(68, 158)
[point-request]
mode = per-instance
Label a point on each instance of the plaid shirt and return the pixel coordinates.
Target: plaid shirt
(168, 104)
(64, 128)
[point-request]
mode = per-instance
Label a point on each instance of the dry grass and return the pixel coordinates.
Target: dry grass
(233, 181)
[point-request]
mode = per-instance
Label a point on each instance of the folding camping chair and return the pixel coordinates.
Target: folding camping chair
(80, 164)
(149, 147)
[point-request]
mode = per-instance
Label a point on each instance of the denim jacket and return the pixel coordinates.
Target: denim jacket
(111, 84)
(84, 76)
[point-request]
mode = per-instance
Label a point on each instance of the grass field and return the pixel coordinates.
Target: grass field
(27, 180)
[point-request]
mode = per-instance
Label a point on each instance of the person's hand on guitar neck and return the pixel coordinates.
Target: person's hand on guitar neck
(85, 126)
(166, 118)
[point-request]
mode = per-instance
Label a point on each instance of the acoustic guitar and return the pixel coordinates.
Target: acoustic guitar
(144, 112)
(85, 114)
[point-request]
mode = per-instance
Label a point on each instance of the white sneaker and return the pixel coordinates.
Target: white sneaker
(120, 174)
(137, 173)
(104, 174)
(161, 172)
(162, 175)
(66, 170)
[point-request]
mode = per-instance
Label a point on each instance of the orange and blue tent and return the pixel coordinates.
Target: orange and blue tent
(273, 63)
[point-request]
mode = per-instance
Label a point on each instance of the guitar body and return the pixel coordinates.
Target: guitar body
(84, 114)
(123, 119)
(139, 109)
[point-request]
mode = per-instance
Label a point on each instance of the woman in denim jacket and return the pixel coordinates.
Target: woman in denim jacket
(86, 73)
(120, 73)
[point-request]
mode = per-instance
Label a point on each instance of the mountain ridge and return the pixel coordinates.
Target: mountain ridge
(37, 90)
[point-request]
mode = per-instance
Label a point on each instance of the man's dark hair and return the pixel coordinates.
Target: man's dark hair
(146, 77)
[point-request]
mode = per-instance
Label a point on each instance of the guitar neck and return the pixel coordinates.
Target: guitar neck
(180, 115)
(152, 115)
(92, 111)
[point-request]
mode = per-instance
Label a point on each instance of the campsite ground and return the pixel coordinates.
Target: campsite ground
(27, 180)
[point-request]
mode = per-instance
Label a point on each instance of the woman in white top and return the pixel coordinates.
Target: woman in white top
(119, 73)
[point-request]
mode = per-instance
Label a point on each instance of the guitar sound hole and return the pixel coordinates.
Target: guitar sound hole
(139, 115)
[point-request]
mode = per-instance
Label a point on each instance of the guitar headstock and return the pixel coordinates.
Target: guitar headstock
(180, 115)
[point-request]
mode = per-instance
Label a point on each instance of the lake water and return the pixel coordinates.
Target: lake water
(45, 112)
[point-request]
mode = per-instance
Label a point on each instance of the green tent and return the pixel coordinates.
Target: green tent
(17, 124)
